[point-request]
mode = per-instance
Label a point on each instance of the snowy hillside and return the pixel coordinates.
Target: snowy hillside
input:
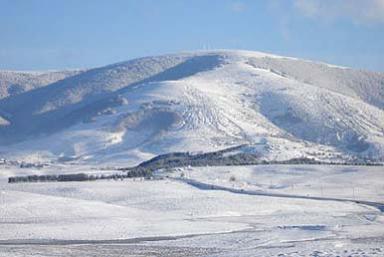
(17, 82)
(203, 101)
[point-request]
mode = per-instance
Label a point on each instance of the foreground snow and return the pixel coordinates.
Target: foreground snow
(166, 216)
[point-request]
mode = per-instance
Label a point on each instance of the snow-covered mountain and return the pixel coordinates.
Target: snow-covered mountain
(17, 82)
(201, 101)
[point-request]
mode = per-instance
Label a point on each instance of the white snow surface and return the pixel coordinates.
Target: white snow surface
(122, 114)
(17, 82)
(200, 101)
(222, 222)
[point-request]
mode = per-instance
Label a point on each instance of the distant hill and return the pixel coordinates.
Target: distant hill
(16, 82)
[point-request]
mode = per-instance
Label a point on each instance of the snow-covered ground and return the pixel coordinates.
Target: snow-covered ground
(170, 217)
(347, 182)
(119, 115)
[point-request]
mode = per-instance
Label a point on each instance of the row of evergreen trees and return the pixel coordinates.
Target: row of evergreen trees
(79, 177)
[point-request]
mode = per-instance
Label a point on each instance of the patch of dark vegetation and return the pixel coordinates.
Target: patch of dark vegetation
(184, 159)
(79, 177)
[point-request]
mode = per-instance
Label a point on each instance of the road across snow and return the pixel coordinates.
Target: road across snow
(166, 214)
(206, 186)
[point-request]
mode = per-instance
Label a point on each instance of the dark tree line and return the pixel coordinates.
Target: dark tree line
(77, 177)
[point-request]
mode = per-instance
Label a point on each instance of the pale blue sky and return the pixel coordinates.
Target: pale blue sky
(56, 34)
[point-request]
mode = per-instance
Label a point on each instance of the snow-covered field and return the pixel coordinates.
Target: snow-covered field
(170, 217)
(347, 182)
